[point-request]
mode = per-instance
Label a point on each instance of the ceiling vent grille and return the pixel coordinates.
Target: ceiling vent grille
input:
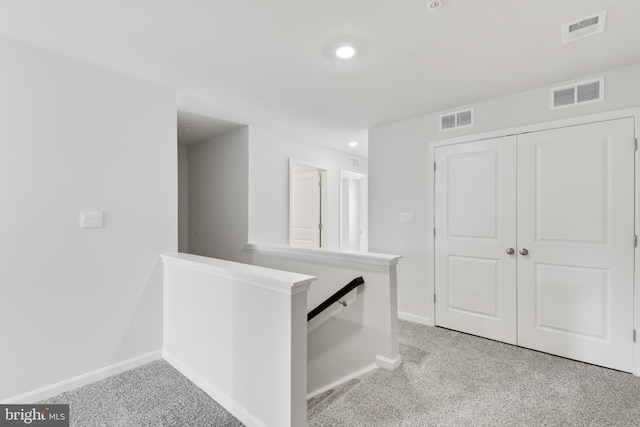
(456, 120)
(577, 93)
(584, 27)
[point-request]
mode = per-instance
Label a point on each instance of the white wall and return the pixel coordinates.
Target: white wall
(253, 359)
(269, 154)
(398, 172)
(183, 198)
(218, 196)
(343, 342)
(77, 137)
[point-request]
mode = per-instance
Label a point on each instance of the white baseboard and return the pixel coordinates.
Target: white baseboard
(388, 364)
(223, 399)
(343, 380)
(402, 315)
(84, 379)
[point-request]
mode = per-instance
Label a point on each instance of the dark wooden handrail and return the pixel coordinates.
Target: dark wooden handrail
(335, 297)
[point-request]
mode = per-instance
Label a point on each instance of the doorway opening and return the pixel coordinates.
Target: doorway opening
(353, 211)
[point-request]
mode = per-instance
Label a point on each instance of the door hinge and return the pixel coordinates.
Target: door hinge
(434, 167)
(319, 226)
(635, 144)
(434, 298)
(635, 240)
(434, 232)
(634, 335)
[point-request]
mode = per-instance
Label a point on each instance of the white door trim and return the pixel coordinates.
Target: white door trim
(431, 146)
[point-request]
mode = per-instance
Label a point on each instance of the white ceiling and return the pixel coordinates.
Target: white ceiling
(269, 62)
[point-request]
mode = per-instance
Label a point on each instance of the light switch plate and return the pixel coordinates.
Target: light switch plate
(91, 219)
(406, 218)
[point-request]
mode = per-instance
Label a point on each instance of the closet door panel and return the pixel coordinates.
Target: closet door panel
(576, 220)
(475, 225)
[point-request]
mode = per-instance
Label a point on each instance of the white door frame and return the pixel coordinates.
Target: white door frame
(431, 146)
(344, 174)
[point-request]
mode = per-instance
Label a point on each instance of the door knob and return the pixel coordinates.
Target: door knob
(510, 251)
(524, 251)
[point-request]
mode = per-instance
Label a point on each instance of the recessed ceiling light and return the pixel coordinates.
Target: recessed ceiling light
(345, 48)
(353, 143)
(345, 52)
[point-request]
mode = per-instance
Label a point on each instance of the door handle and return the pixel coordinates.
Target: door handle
(510, 251)
(524, 251)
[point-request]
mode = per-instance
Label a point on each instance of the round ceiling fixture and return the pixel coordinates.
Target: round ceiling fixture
(345, 52)
(345, 49)
(353, 143)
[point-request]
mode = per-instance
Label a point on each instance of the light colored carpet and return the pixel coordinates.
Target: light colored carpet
(318, 404)
(453, 379)
(153, 395)
(446, 379)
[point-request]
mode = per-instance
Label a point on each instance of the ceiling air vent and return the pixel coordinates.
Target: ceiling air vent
(456, 120)
(577, 93)
(584, 27)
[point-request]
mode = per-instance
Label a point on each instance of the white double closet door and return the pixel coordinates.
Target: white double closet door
(534, 240)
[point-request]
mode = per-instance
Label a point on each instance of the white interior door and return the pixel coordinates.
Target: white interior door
(306, 209)
(576, 220)
(475, 219)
